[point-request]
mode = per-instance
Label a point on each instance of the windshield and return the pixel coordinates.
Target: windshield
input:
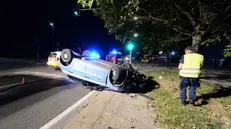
(52, 55)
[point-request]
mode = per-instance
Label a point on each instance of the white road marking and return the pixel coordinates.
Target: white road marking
(66, 112)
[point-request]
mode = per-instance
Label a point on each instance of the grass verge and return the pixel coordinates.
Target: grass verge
(213, 113)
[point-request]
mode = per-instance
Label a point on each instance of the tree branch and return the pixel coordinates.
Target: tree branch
(193, 21)
(154, 18)
(180, 31)
(227, 8)
(165, 22)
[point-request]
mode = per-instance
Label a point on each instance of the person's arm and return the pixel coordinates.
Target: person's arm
(202, 62)
(181, 63)
(180, 66)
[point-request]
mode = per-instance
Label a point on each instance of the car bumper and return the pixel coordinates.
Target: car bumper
(53, 64)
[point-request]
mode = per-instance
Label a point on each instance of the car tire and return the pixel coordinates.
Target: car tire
(127, 87)
(116, 73)
(66, 56)
(126, 66)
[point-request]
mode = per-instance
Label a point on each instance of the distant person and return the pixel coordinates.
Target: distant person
(107, 57)
(190, 70)
(221, 62)
(114, 59)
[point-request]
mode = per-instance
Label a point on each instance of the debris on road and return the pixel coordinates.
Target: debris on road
(84, 106)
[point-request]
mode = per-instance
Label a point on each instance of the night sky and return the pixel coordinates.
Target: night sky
(23, 21)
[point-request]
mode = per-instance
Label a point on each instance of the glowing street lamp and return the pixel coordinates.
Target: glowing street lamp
(173, 53)
(136, 35)
(135, 18)
(52, 28)
(130, 46)
(51, 24)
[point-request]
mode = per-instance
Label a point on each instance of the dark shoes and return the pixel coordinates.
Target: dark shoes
(184, 103)
(192, 103)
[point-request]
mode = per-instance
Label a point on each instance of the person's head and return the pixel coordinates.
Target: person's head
(189, 49)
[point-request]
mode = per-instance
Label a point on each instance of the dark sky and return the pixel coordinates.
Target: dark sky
(22, 21)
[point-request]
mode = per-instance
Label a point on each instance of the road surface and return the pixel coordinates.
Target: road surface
(32, 105)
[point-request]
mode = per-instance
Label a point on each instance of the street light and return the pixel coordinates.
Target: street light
(51, 24)
(52, 28)
(136, 35)
(173, 53)
(135, 18)
(130, 47)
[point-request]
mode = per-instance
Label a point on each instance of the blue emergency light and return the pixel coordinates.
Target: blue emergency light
(114, 52)
(94, 55)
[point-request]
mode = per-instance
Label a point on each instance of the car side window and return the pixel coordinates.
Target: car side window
(53, 55)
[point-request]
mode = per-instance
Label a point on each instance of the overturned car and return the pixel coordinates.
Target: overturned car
(116, 77)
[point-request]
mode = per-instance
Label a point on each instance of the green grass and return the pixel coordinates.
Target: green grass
(171, 114)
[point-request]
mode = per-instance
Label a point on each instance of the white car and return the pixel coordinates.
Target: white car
(53, 59)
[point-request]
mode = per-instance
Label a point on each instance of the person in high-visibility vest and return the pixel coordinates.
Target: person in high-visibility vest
(190, 70)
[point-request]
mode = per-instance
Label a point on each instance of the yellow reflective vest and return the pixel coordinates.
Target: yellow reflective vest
(192, 65)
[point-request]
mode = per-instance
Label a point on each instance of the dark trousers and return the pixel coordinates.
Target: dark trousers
(193, 83)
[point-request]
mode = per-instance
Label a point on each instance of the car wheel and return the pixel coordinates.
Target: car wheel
(122, 89)
(116, 73)
(127, 87)
(126, 66)
(66, 56)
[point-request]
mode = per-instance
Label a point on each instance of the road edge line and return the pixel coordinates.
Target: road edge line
(59, 117)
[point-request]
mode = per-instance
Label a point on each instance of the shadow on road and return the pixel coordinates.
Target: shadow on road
(22, 91)
(148, 86)
(218, 93)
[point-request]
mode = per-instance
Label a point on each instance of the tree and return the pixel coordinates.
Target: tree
(204, 21)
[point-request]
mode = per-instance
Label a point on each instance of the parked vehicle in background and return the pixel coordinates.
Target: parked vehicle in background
(53, 60)
(119, 57)
(145, 60)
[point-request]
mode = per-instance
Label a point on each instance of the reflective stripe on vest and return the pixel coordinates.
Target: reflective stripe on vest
(190, 68)
(192, 65)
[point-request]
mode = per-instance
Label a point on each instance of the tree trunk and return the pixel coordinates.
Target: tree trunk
(196, 41)
(196, 38)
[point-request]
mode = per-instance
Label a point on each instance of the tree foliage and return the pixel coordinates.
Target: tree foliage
(171, 21)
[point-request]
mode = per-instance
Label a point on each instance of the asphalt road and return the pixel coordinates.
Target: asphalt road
(32, 105)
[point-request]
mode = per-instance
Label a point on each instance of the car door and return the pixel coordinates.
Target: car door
(96, 73)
